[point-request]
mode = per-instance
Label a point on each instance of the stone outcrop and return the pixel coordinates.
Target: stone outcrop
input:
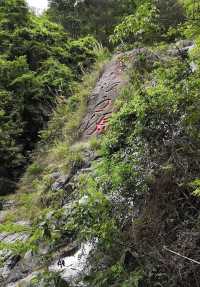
(100, 108)
(100, 103)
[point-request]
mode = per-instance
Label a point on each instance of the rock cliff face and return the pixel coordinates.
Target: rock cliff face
(100, 104)
(18, 271)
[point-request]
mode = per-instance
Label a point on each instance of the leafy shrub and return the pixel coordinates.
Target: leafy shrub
(150, 22)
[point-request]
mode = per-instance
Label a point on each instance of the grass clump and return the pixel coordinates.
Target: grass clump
(14, 228)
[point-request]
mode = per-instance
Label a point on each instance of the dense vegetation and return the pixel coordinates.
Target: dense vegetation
(94, 17)
(151, 22)
(38, 66)
(139, 201)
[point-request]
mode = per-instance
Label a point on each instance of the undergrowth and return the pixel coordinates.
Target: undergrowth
(56, 152)
(141, 195)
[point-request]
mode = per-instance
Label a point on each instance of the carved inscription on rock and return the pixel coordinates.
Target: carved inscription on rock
(100, 106)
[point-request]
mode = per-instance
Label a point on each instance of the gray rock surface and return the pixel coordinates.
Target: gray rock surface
(12, 267)
(13, 237)
(181, 48)
(60, 182)
(100, 103)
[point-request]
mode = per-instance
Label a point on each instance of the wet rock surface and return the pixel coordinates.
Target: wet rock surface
(73, 266)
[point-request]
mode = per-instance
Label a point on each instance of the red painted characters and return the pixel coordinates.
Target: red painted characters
(99, 119)
(101, 125)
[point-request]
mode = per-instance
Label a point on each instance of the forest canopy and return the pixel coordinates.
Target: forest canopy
(94, 17)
